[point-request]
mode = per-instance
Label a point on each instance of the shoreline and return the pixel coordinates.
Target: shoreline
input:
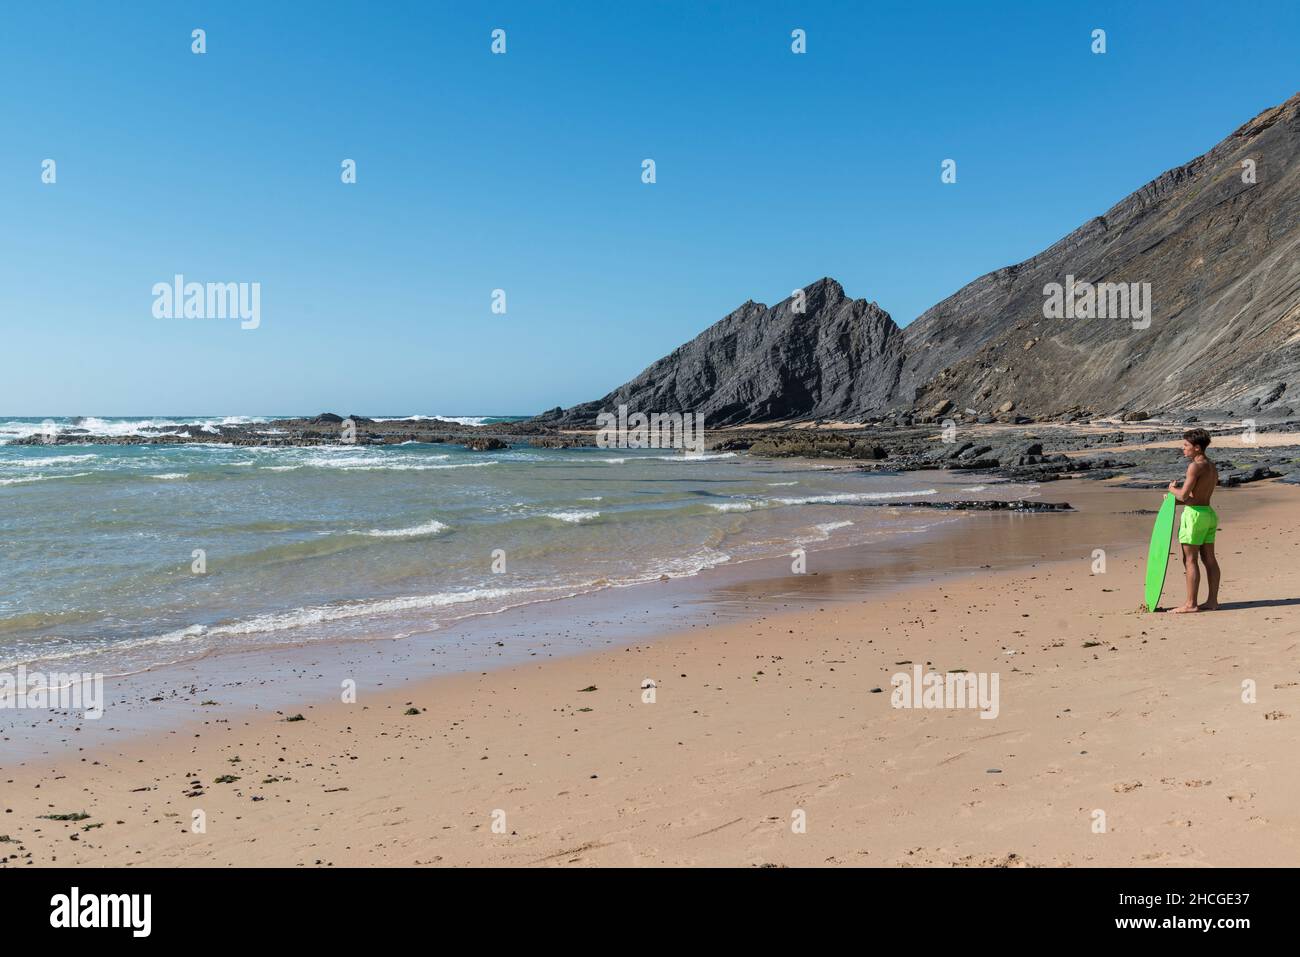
(531, 702)
(467, 643)
(142, 699)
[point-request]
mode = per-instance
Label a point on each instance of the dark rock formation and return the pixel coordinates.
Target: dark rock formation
(1221, 255)
(806, 445)
(1223, 260)
(485, 443)
(838, 359)
(979, 505)
(1257, 474)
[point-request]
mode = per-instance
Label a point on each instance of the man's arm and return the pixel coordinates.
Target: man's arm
(1187, 496)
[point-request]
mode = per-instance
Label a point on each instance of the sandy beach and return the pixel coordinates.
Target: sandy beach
(1121, 738)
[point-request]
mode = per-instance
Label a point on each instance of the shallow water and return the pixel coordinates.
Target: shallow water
(117, 558)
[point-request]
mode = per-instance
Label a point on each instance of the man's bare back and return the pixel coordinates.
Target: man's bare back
(1200, 482)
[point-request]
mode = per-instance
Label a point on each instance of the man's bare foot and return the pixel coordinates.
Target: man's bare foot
(1182, 610)
(1210, 606)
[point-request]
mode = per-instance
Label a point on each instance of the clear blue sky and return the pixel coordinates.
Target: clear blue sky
(523, 172)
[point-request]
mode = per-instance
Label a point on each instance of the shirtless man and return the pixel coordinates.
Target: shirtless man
(1199, 522)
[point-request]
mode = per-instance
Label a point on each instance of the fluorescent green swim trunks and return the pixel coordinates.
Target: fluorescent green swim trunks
(1198, 525)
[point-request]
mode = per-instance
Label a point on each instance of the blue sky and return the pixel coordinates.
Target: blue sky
(523, 172)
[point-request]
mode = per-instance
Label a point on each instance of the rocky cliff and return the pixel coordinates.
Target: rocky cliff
(1215, 244)
(825, 356)
(1222, 256)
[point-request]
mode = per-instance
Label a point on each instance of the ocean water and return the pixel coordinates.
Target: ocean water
(98, 542)
(19, 428)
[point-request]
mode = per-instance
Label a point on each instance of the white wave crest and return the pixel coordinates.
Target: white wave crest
(432, 527)
(574, 517)
(321, 614)
(368, 463)
(456, 419)
(829, 527)
(694, 456)
(684, 567)
(39, 478)
(46, 461)
(853, 497)
(108, 427)
(732, 506)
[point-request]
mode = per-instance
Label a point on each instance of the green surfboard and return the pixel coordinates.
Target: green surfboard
(1162, 542)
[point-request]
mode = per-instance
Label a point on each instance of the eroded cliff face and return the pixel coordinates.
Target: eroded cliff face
(1221, 257)
(837, 358)
(1208, 255)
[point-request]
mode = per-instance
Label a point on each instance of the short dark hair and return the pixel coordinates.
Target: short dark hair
(1198, 437)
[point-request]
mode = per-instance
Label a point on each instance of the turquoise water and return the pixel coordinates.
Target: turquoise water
(98, 542)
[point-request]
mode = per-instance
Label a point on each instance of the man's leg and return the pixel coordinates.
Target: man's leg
(1211, 576)
(1192, 572)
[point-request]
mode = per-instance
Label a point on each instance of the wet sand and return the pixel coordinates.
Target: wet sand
(764, 706)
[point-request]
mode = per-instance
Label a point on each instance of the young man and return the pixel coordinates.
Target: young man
(1199, 523)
